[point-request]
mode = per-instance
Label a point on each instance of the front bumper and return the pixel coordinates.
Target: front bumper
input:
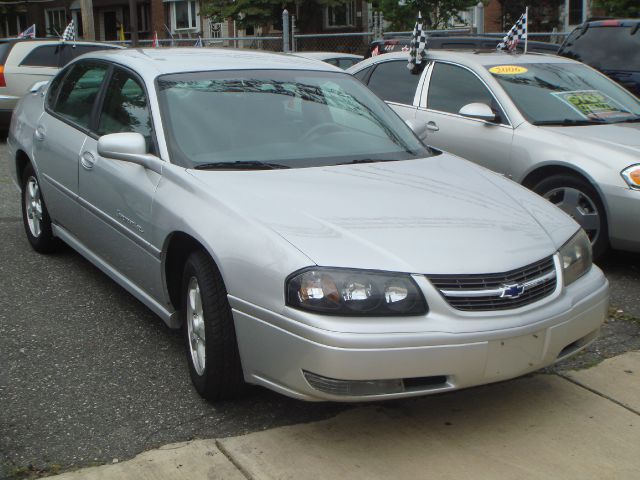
(425, 362)
(624, 217)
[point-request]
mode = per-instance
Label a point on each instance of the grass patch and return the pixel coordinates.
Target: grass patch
(619, 314)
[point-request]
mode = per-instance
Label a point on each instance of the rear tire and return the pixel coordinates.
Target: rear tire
(35, 216)
(209, 332)
(581, 201)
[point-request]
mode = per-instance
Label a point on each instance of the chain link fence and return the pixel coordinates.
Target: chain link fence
(355, 43)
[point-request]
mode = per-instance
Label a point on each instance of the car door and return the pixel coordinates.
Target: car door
(392, 81)
(60, 135)
(450, 87)
(117, 196)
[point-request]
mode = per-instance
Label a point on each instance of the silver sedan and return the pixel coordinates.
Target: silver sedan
(552, 124)
(296, 229)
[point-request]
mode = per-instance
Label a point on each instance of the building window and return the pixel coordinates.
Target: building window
(185, 15)
(55, 20)
(340, 15)
(576, 12)
(143, 17)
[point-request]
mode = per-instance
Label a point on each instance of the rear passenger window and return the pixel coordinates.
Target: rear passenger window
(44, 56)
(362, 74)
(393, 82)
(79, 90)
(54, 87)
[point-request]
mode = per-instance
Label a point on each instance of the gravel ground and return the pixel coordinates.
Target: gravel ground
(88, 374)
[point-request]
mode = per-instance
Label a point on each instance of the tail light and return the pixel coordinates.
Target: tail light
(2, 81)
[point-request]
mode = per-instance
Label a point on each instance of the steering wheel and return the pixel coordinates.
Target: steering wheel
(324, 127)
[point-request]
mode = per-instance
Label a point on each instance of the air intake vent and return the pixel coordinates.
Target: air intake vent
(498, 291)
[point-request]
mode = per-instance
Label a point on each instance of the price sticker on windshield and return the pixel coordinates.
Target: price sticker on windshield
(508, 70)
(593, 104)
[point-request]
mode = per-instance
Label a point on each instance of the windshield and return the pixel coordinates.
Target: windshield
(279, 119)
(557, 93)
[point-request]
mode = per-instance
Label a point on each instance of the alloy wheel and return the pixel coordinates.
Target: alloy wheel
(33, 206)
(580, 207)
(195, 326)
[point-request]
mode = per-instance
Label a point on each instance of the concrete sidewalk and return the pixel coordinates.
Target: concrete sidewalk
(584, 425)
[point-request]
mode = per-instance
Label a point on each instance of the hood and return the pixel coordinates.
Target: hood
(622, 136)
(435, 215)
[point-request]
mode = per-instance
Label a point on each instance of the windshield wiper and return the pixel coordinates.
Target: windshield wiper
(366, 160)
(568, 122)
(629, 120)
(240, 165)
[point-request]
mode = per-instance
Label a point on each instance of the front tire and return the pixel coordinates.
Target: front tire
(209, 332)
(581, 201)
(35, 216)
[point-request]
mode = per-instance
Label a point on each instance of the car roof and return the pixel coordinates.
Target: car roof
(158, 61)
(326, 55)
(46, 41)
(471, 57)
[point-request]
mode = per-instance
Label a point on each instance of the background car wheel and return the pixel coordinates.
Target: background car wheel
(209, 333)
(35, 216)
(580, 200)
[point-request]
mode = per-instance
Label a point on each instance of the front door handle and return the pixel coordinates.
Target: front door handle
(432, 126)
(87, 160)
(39, 133)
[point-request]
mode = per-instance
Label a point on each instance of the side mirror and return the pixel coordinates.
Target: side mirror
(128, 147)
(481, 111)
(37, 86)
(419, 128)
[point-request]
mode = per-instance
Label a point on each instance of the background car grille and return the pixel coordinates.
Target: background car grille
(481, 292)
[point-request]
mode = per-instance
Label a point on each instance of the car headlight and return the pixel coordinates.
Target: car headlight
(338, 291)
(631, 175)
(575, 256)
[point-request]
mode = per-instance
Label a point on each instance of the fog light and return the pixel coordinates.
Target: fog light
(353, 388)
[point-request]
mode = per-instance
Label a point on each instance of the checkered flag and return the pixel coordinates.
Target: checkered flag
(69, 34)
(518, 32)
(417, 50)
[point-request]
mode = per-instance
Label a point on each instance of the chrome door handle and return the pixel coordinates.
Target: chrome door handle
(39, 133)
(432, 126)
(87, 160)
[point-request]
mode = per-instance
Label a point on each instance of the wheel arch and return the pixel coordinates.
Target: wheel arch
(532, 178)
(22, 160)
(178, 246)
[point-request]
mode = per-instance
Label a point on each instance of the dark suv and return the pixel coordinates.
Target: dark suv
(611, 46)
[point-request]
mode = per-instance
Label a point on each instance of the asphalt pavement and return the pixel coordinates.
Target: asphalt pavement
(89, 375)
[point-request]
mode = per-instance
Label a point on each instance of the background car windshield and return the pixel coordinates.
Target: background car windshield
(557, 92)
(291, 118)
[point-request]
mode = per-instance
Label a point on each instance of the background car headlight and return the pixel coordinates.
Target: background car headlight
(337, 291)
(575, 256)
(631, 175)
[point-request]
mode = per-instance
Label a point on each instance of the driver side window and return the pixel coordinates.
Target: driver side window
(452, 87)
(125, 107)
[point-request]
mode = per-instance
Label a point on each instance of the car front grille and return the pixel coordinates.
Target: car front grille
(498, 291)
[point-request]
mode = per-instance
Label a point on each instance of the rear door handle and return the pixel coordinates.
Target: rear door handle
(39, 133)
(87, 160)
(432, 126)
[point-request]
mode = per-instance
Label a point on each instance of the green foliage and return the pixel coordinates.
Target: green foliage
(543, 14)
(436, 13)
(258, 12)
(618, 8)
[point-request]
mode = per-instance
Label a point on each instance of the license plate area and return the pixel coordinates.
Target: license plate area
(512, 356)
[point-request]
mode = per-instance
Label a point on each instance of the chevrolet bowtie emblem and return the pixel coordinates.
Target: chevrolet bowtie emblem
(512, 291)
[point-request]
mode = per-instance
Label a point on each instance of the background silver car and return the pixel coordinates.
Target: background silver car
(550, 123)
(296, 229)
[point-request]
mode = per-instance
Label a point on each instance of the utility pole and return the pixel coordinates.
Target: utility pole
(133, 22)
(88, 30)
